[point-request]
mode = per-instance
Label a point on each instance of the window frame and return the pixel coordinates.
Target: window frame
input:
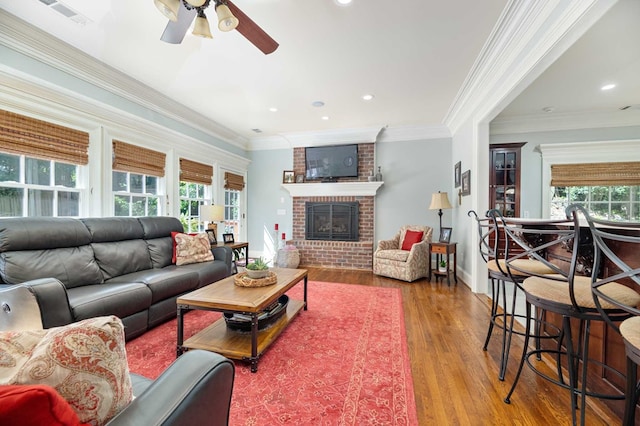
(159, 195)
(80, 188)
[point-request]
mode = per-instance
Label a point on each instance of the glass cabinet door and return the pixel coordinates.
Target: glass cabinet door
(504, 179)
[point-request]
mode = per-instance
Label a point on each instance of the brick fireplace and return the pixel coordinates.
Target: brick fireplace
(336, 254)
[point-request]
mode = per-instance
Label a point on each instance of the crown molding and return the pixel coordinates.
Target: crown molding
(414, 133)
(564, 121)
(28, 40)
(528, 37)
(316, 138)
(18, 93)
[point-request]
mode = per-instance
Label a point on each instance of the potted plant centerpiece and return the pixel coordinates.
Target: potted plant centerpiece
(442, 266)
(258, 268)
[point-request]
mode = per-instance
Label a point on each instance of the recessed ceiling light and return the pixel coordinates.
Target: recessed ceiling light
(273, 109)
(343, 2)
(549, 109)
(317, 104)
(367, 97)
(608, 87)
(325, 117)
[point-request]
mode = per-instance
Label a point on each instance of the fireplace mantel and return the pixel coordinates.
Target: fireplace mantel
(332, 189)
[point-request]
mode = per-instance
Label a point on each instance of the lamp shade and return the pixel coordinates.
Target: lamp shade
(226, 20)
(210, 213)
(201, 26)
(169, 8)
(196, 3)
(440, 200)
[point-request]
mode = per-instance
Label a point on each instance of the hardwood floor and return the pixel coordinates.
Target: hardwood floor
(455, 381)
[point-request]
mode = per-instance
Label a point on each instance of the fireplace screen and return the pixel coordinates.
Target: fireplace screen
(331, 221)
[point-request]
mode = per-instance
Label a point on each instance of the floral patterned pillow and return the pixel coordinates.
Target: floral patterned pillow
(85, 362)
(192, 249)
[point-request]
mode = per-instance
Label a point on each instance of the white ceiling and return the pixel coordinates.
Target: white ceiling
(609, 52)
(413, 55)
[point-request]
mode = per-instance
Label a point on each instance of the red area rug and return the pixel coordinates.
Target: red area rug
(344, 361)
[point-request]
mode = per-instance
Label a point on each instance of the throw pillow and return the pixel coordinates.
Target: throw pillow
(35, 405)
(85, 362)
(173, 240)
(192, 249)
(410, 238)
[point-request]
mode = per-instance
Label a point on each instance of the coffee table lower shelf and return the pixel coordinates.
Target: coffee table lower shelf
(237, 344)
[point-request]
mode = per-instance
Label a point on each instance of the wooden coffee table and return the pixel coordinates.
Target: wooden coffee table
(225, 296)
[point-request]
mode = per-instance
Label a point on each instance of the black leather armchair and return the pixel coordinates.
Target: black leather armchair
(195, 390)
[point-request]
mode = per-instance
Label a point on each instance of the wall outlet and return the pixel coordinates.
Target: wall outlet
(281, 212)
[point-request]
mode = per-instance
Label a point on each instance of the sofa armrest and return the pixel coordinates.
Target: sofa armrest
(224, 253)
(51, 296)
(195, 390)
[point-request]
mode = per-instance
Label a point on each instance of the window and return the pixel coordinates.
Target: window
(616, 203)
(135, 194)
(232, 213)
(192, 195)
(137, 179)
(36, 187)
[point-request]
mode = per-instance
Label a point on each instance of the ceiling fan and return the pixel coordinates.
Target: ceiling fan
(181, 14)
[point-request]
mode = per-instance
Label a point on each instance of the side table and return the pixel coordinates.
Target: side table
(443, 251)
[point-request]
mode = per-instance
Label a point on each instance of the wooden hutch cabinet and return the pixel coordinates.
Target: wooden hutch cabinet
(504, 178)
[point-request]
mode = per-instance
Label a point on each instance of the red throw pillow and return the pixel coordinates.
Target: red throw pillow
(410, 238)
(35, 405)
(173, 241)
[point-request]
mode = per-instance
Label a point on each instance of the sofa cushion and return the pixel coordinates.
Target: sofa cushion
(122, 299)
(37, 233)
(207, 272)
(73, 266)
(85, 362)
(161, 251)
(163, 283)
(411, 238)
(35, 405)
(395, 255)
(106, 229)
(121, 257)
(159, 226)
(192, 249)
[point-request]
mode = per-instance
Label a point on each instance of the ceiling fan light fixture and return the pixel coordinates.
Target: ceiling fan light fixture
(196, 3)
(226, 20)
(168, 8)
(201, 26)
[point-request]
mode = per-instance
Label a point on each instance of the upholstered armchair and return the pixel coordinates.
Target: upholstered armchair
(406, 256)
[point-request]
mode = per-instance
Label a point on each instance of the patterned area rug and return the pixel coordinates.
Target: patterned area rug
(344, 361)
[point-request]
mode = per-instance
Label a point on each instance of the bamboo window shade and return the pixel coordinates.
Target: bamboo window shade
(135, 159)
(40, 139)
(596, 174)
(233, 181)
(191, 171)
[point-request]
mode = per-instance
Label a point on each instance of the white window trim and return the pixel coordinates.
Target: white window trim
(582, 152)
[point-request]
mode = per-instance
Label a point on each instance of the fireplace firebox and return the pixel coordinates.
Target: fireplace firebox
(331, 221)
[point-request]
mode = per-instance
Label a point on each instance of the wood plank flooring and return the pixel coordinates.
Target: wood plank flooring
(455, 381)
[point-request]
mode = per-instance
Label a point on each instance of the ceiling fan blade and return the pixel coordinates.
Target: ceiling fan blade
(252, 32)
(175, 30)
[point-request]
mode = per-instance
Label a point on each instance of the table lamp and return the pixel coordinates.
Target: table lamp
(439, 201)
(213, 215)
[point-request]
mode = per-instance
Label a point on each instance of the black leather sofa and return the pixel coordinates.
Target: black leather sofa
(83, 268)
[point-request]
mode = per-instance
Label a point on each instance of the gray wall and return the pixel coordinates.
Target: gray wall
(266, 198)
(531, 184)
(412, 171)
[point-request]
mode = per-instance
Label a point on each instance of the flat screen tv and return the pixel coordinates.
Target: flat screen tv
(330, 162)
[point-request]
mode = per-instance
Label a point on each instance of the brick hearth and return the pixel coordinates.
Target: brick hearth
(337, 254)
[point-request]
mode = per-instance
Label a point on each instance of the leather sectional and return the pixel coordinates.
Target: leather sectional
(83, 268)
